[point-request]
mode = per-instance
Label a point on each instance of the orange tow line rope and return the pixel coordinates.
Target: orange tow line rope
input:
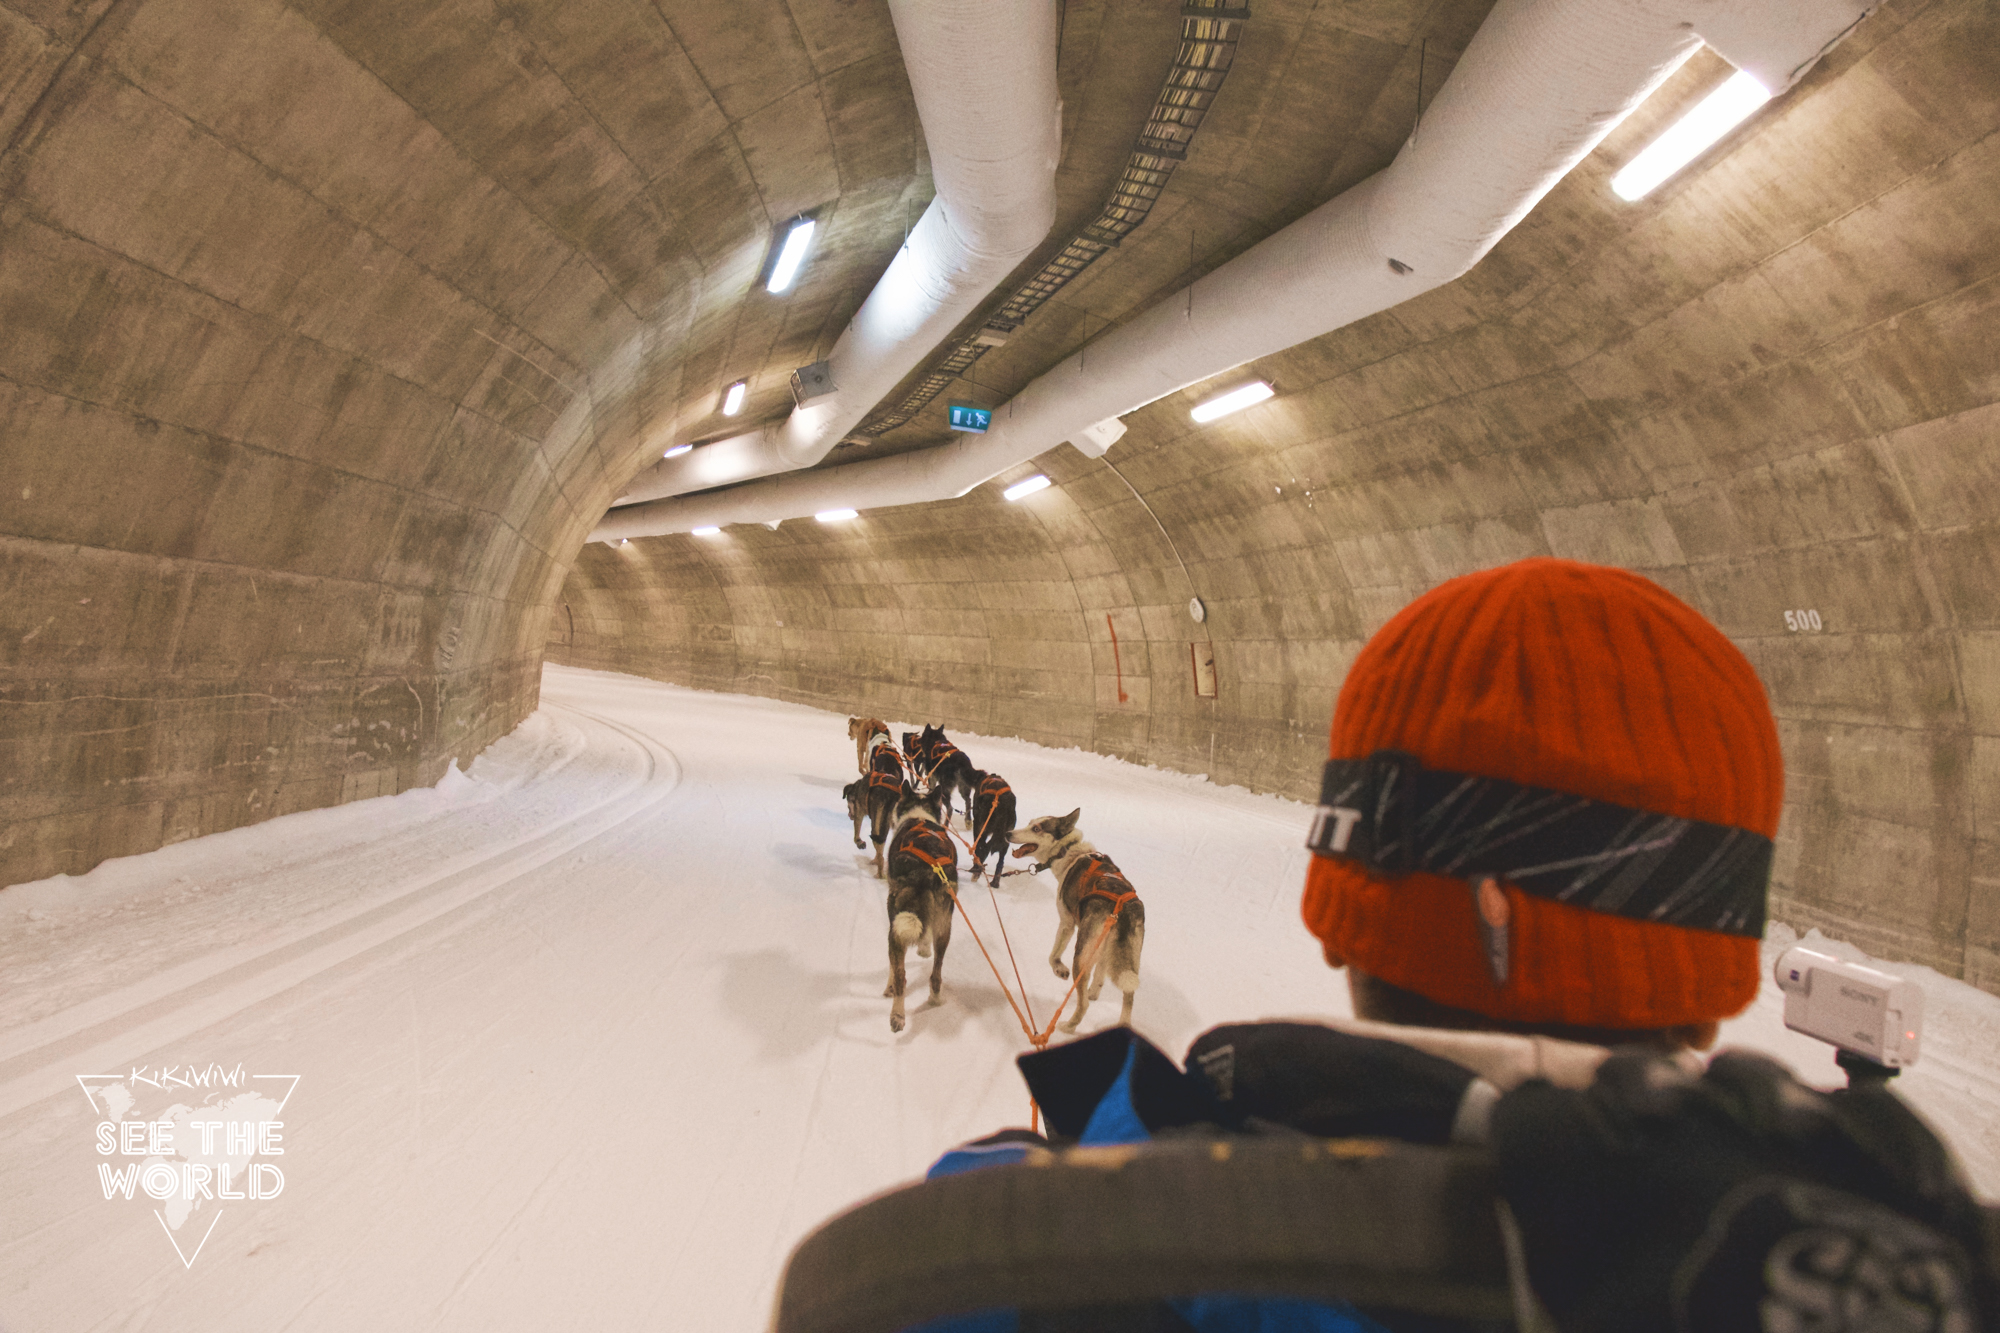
(979, 872)
(1084, 963)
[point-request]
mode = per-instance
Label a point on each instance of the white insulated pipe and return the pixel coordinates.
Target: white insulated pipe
(1540, 85)
(993, 143)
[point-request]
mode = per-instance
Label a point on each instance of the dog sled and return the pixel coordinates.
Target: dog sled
(1101, 1239)
(1251, 1191)
(1095, 1239)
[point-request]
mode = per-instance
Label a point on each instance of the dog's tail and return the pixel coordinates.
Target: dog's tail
(906, 929)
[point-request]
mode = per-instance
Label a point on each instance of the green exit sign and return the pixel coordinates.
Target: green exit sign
(974, 419)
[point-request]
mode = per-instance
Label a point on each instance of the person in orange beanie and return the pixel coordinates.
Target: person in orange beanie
(1547, 817)
(1585, 778)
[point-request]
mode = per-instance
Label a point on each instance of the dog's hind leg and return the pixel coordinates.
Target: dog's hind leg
(1084, 961)
(940, 933)
(1082, 994)
(904, 928)
(1099, 965)
(1125, 970)
(1065, 924)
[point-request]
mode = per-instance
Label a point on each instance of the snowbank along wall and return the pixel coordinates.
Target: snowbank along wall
(331, 328)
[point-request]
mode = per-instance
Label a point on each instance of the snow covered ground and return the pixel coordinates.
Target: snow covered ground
(590, 1036)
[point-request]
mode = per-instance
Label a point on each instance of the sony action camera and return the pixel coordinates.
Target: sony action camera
(1866, 1013)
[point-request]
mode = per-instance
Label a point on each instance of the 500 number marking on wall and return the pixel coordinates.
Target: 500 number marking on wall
(1803, 622)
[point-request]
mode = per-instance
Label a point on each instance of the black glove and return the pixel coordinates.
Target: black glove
(1742, 1200)
(1256, 1078)
(1324, 1081)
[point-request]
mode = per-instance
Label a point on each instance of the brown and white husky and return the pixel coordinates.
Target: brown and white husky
(923, 860)
(860, 730)
(887, 786)
(1096, 903)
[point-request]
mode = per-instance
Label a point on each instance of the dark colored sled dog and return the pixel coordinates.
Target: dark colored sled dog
(1092, 893)
(886, 786)
(856, 795)
(944, 768)
(922, 860)
(992, 819)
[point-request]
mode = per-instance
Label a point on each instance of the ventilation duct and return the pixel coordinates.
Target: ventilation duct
(993, 160)
(1540, 85)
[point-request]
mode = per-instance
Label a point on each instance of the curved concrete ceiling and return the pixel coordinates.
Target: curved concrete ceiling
(332, 326)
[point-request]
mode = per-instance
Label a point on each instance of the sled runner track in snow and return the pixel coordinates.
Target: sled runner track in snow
(39, 1059)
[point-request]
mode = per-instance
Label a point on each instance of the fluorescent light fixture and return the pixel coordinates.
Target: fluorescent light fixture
(1690, 136)
(1021, 490)
(732, 402)
(678, 450)
(1256, 391)
(707, 532)
(835, 515)
(794, 254)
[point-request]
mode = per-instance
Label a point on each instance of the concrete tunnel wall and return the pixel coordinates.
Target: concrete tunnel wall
(1771, 390)
(328, 329)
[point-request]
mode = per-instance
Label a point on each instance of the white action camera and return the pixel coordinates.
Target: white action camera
(1862, 1011)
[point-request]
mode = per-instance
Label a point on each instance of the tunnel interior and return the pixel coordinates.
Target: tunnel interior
(333, 329)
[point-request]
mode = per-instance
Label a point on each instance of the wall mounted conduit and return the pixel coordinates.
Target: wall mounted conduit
(1172, 545)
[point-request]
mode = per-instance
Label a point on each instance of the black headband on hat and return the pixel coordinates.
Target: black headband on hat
(1391, 814)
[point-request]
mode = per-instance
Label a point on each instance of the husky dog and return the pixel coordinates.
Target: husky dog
(992, 818)
(1092, 894)
(861, 730)
(856, 793)
(922, 861)
(948, 769)
(886, 786)
(917, 751)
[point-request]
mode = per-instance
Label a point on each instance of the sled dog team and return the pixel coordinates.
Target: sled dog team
(904, 795)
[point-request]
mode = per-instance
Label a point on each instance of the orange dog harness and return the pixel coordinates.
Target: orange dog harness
(928, 843)
(885, 769)
(1093, 871)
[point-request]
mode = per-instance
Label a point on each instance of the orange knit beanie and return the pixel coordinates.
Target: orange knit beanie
(1589, 681)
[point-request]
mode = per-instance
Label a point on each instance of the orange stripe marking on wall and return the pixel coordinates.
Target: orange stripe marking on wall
(1116, 664)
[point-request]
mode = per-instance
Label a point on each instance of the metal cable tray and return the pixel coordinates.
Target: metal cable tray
(1209, 35)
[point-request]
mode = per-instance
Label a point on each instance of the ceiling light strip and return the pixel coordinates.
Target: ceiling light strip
(1248, 395)
(1689, 137)
(797, 241)
(1026, 487)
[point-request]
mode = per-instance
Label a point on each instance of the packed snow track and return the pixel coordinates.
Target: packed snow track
(590, 1035)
